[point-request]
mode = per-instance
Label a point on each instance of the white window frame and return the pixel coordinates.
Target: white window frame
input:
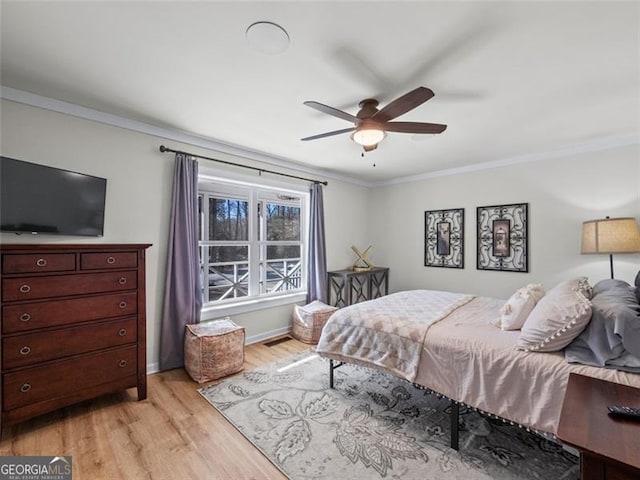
(256, 189)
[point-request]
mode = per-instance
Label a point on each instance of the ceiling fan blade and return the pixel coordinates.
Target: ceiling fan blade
(414, 127)
(403, 104)
(331, 111)
(328, 134)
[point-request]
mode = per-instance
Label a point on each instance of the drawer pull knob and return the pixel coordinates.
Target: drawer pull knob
(122, 280)
(111, 260)
(122, 363)
(25, 288)
(122, 304)
(25, 317)
(26, 350)
(25, 387)
(41, 262)
(122, 332)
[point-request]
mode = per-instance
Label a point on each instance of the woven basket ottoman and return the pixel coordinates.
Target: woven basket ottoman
(213, 349)
(309, 320)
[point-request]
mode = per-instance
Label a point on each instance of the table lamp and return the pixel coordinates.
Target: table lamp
(611, 235)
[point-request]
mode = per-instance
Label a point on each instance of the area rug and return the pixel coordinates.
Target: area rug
(374, 426)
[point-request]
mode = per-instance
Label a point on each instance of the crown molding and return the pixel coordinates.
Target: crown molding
(86, 113)
(59, 106)
(607, 143)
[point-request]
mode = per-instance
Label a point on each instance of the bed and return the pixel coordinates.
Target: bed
(456, 351)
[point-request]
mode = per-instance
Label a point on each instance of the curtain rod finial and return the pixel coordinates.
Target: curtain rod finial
(163, 148)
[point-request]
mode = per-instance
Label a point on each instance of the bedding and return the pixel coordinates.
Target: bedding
(388, 332)
(467, 359)
(515, 312)
(612, 338)
(558, 318)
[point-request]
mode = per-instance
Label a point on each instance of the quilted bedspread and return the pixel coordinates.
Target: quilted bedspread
(387, 332)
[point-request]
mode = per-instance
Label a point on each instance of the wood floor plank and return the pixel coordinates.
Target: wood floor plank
(175, 433)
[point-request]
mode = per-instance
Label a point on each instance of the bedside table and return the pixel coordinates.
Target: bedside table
(609, 446)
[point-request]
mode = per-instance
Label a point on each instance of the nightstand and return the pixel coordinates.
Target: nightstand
(609, 446)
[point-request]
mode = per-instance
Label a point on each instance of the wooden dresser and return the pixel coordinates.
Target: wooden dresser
(73, 325)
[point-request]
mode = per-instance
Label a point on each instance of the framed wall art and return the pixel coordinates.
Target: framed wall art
(503, 238)
(444, 238)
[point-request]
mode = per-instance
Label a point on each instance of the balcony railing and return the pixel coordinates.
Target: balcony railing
(227, 280)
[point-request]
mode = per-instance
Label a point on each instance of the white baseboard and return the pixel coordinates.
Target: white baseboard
(267, 335)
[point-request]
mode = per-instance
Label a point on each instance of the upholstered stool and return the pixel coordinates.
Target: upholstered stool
(309, 320)
(213, 349)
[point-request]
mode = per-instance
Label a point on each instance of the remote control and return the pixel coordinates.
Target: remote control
(624, 411)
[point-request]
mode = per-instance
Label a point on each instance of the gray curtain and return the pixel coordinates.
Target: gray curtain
(317, 261)
(183, 285)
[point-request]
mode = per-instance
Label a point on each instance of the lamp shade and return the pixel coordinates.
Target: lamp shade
(611, 235)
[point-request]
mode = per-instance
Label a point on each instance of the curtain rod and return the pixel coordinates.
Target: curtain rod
(164, 149)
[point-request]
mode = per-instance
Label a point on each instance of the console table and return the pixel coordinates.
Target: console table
(346, 287)
(609, 446)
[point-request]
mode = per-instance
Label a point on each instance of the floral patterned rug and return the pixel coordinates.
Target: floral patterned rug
(374, 426)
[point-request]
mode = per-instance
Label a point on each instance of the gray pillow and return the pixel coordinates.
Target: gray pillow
(612, 338)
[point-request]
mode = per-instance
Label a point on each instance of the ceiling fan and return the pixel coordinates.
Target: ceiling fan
(371, 124)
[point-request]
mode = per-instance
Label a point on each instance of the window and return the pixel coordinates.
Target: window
(252, 242)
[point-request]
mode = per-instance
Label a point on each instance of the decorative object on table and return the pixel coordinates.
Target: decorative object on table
(362, 264)
(611, 235)
(374, 426)
(444, 238)
(308, 321)
(503, 237)
(213, 349)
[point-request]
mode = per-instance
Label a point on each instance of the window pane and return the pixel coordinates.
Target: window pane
(228, 219)
(228, 272)
(283, 251)
(283, 267)
(230, 253)
(283, 222)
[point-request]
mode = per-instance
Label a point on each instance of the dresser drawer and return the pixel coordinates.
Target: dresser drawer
(29, 263)
(30, 316)
(59, 379)
(28, 288)
(23, 350)
(99, 261)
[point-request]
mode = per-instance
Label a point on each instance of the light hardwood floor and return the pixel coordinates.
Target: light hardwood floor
(173, 434)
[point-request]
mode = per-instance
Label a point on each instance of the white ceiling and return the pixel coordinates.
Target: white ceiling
(511, 79)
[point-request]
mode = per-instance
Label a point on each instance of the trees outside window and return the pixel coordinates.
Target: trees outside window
(251, 242)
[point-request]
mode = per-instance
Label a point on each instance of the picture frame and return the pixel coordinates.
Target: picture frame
(503, 237)
(444, 238)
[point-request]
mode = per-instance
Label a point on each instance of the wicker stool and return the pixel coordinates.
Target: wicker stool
(309, 320)
(213, 349)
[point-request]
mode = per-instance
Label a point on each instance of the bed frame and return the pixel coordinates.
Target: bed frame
(455, 405)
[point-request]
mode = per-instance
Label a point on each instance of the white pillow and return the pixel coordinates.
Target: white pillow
(558, 318)
(514, 313)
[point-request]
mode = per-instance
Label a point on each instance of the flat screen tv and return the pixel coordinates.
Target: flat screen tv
(39, 199)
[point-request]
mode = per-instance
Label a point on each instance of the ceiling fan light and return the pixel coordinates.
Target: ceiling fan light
(368, 136)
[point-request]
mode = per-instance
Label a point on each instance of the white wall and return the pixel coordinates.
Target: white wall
(139, 186)
(561, 192)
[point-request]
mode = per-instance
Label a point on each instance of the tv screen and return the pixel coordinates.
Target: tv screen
(39, 199)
